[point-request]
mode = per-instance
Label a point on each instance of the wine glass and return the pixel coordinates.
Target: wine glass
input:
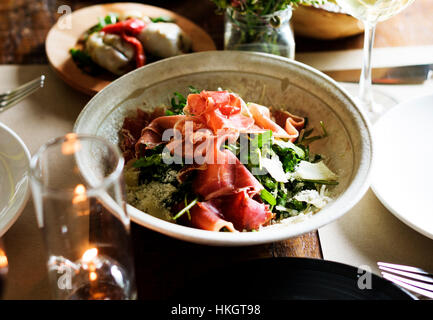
(370, 12)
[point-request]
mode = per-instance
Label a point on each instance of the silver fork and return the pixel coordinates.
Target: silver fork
(12, 97)
(410, 278)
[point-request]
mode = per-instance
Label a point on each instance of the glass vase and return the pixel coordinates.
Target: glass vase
(271, 33)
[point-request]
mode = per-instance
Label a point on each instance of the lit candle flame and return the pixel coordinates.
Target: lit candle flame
(71, 144)
(88, 262)
(93, 276)
(3, 259)
(80, 200)
(89, 255)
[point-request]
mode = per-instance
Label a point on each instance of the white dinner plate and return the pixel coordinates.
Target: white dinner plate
(403, 171)
(14, 185)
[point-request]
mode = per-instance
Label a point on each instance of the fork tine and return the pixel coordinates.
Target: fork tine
(398, 280)
(415, 283)
(402, 267)
(36, 82)
(6, 104)
(5, 99)
(408, 274)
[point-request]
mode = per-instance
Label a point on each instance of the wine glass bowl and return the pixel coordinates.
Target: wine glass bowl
(370, 12)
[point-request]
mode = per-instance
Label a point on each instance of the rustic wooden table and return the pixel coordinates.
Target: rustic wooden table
(164, 265)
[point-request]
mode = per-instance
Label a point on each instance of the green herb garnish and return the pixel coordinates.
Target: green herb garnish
(84, 62)
(189, 206)
(178, 102)
(161, 19)
(268, 197)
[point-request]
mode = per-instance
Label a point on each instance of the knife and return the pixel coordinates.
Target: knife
(414, 74)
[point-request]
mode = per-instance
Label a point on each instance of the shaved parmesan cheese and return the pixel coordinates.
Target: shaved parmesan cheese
(275, 168)
(314, 171)
(312, 197)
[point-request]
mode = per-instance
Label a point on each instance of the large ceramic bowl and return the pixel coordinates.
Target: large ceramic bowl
(257, 77)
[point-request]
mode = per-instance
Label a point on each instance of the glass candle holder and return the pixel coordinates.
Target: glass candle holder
(271, 33)
(79, 197)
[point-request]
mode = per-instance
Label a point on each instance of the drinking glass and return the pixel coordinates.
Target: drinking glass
(370, 12)
(79, 197)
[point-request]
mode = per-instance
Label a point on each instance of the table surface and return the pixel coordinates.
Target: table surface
(162, 263)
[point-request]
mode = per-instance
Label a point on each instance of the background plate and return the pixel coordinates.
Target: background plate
(403, 170)
(290, 279)
(65, 33)
(14, 185)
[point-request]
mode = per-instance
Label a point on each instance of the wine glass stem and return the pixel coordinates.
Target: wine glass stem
(365, 87)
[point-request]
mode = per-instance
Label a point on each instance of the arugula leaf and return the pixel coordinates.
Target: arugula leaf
(144, 162)
(288, 157)
(186, 209)
(110, 18)
(307, 140)
(84, 62)
(268, 197)
(178, 102)
(161, 19)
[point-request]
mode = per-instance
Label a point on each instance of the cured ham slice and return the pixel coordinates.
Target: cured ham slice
(292, 124)
(151, 135)
(131, 132)
(219, 110)
(244, 212)
(224, 177)
(207, 217)
(236, 212)
(262, 118)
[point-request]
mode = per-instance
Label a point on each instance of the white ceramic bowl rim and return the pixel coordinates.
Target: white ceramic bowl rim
(334, 210)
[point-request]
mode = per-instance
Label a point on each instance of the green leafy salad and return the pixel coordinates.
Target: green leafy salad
(295, 181)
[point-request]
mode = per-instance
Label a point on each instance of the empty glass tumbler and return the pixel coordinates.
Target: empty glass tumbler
(79, 197)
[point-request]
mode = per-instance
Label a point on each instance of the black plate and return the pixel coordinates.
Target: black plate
(290, 279)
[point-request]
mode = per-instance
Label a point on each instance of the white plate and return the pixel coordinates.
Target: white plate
(14, 168)
(262, 78)
(403, 170)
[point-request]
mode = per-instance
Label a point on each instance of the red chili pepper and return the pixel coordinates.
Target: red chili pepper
(128, 30)
(131, 27)
(140, 57)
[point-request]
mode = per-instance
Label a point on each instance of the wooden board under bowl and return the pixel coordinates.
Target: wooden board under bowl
(65, 33)
(319, 23)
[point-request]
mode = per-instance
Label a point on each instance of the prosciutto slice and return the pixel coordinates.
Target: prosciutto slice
(131, 130)
(244, 212)
(219, 110)
(151, 135)
(262, 118)
(224, 177)
(236, 211)
(204, 215)
(291, 123)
